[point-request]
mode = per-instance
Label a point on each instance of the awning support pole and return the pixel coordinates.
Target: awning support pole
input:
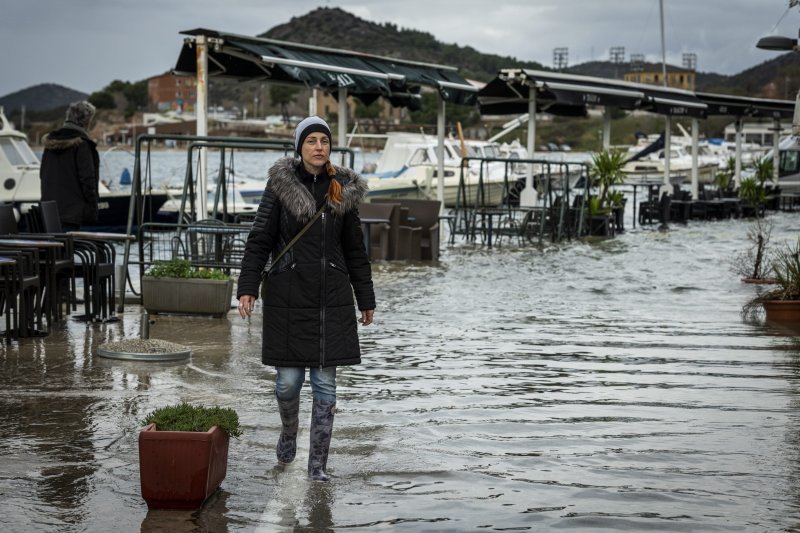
(607, 128)
(528, 196)
(342, 134)
(737, 176)
(440, 151)
(776, 149)
(695, 177)
(201, 110)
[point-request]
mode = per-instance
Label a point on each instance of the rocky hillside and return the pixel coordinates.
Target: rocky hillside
(42, 97)
(390, 41)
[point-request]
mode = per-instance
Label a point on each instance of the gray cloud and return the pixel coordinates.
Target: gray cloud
(85, 44)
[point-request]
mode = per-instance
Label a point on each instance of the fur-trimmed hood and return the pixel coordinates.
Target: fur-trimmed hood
(64, 139)
(295, 197)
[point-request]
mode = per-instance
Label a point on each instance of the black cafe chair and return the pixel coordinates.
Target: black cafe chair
(95, 264)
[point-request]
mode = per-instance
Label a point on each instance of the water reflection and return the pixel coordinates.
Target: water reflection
(605, 385)
(212, 518)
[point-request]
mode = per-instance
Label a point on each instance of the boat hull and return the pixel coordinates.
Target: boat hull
(388, 188)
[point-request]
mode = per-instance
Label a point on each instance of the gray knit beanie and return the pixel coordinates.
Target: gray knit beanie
(80, 113)
(308, 126)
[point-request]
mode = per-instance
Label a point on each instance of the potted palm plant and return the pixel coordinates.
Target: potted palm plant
(176, 286)
(753, 190)
(606, 169)
(183, 454)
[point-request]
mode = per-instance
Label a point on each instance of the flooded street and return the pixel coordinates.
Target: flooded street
(610, 385)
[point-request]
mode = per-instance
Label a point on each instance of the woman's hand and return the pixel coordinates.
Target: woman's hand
(366, 317)
(246, 303)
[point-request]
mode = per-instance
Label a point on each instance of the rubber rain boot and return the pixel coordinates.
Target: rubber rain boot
(287, 442)
(320, 439)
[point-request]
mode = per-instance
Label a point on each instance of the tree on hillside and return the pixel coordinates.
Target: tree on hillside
(102, 100)
(467, 115)
(283, 95)
(370, 111)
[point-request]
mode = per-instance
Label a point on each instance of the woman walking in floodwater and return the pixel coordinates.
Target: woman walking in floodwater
(309, 317)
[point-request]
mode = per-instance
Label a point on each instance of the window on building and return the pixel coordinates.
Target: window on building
(178, 82)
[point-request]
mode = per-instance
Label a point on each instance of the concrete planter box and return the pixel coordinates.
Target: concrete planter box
(187, 296)
(181, 469)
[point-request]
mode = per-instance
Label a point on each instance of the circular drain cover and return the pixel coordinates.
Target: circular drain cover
(144, 350)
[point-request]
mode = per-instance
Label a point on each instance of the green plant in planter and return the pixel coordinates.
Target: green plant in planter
(606, 168)
(786, 272)
(187, 417)
(786, 269)
(181, 268)
(752, 190)
(753, 193)
(616, 198)
(723, 177)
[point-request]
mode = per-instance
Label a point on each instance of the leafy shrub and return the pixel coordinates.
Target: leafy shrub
(186, 417)
(181, 268)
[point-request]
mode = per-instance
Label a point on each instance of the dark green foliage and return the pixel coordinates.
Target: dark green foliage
(181, 268)
(102, 100)
(786, 269)
(606, 169)
(186, 417)
(467, 115)
(372, 110)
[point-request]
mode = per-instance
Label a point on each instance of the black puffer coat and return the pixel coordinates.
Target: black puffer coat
(309, 317)
(70, 174)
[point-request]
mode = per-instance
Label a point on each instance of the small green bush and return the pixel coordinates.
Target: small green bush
(186, 417)
(181, 268)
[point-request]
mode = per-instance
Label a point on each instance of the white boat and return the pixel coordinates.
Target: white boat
(408, 166)
(238, 207)
(649, 169)
(19, 174)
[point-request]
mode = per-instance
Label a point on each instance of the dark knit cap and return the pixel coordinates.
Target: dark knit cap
(80, 113)
(308, 126)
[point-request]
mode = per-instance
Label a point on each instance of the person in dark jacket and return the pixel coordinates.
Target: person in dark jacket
(309, 315)
(70, 170)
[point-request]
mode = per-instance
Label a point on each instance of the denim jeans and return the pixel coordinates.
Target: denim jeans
(289, 381)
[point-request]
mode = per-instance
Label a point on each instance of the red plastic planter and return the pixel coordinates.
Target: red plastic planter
(181, 469)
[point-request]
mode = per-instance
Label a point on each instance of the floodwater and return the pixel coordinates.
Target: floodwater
(610, 385)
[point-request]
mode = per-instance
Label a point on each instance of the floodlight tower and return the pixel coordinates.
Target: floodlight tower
(560, 58)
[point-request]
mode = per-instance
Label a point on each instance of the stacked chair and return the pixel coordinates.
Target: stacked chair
(30, 277)
(95, 264)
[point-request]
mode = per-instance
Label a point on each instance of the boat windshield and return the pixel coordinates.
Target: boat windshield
(492, 151)
(789, 162)
(17, 152)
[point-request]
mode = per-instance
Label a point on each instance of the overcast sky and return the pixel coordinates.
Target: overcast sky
(85, 44)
